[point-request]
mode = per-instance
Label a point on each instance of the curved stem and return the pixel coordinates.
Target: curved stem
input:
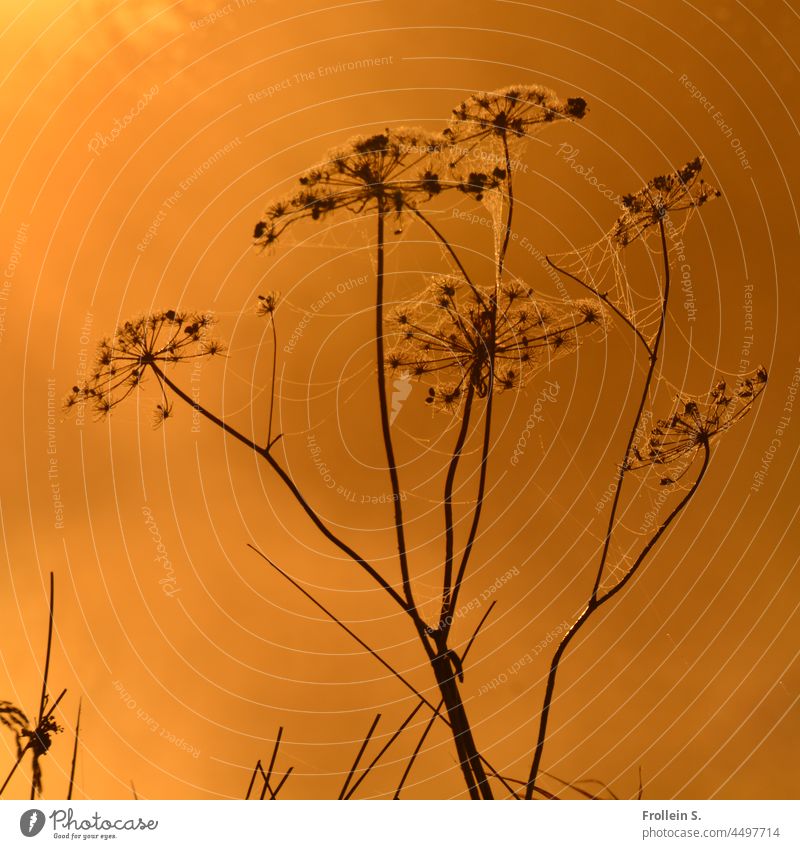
(309, 511)
(593, 605)
(509, 183)
(272, 383)
(385, 428)
(448, 501)
(637, 420)
(604, 298)
(476, 517)
(436, 232)
(594, 602)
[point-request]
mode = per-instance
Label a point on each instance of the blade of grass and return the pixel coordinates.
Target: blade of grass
(281, 782)
(253, 778)
(364, 745)
(43, 698)
(272, 762)
(383, 751)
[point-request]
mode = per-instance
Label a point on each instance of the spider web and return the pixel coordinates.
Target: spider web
(636, 293)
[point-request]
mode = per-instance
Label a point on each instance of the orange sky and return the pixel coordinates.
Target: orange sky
(692, 675)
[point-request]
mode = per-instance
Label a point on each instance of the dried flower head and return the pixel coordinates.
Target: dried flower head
(515, 111)
(392, 171)
(468, 337)
(695, 423)
(682, 190)
(266, 304)
(153, 342)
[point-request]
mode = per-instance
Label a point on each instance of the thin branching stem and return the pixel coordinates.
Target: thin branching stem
(309, 511)
(43, 699)
(623, 467)
(476, 516)
(449, 248)
(272, 761)
(605, 299)
(593, 605)
(594, 600)
(448, 500)
(384, 416)
(272, 382)
(510, 212)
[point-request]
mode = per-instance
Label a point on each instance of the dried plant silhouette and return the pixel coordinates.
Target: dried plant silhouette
(37, 738)
(470, 338)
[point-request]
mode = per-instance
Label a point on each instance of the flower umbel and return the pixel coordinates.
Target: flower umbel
(682, 190)
(511, 111)
(695, 423)
(467, 339)
(393, 170)
(153, 342)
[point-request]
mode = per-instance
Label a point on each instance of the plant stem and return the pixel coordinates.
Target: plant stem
(75, 752)
(623, 468)
(436, 232)
(384, 415)
(594, 601)
(476, 517)
(448, 502)
(593, 605)
(272, 384)
(309, 511)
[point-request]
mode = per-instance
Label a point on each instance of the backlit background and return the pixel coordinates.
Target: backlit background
(691, 675)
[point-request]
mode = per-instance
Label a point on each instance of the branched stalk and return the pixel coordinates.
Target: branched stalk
(272, 383)
(593, 605)
(385, 428)
(310, 512)
(448, 502)
(594, 600)
(623, 468)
